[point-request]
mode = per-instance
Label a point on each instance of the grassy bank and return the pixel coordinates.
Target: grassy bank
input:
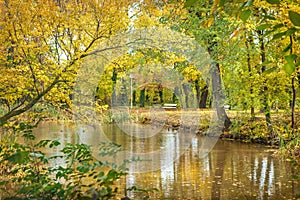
(244, 127)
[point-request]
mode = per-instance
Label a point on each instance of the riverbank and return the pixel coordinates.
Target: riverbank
(203, 119)
(244, 128)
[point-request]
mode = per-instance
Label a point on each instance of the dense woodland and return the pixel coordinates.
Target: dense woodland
(254, 46)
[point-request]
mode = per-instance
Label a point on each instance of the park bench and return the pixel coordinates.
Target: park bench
(169, 106)
(227, 107)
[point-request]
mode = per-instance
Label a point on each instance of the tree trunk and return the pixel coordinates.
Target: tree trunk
(134, 98)
(198, 97)
(174, 97)
(216, 81)
(204, 96)
(142, 98)
(293, 94)
(218, 96)
(19, 110)
(186, 94)
(114, 80)
(161, 89)
(248, 40)
(293, 104)
(267, 108)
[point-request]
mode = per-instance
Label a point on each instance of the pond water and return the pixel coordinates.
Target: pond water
(231, 170)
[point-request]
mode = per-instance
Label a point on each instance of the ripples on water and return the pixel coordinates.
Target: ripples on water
(232, 170)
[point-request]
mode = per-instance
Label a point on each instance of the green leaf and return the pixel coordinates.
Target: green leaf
(290, 66)
(269, 32)
(287, 48)
(189, 3)
(270, 70)
(245, 14)
(289, 69)
(112, 174)
(22, 126)
(270, 17)
(278, 26)
(273, 1)
(42, 143)
(295, 18)
(298, 63)
(54, 143)
(20, 157)
(290, 58)
(263, 26)
(222, 3)
(83, 169)
(279, 35)
(290, 31)
(29, 136)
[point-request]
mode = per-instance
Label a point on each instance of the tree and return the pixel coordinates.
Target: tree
(43, 43)
(276, 24)
(222, 22)
(201, 20)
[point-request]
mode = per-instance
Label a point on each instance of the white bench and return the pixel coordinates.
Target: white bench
(170, 106)
(227, 107)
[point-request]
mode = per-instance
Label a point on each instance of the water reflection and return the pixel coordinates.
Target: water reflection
(231, 170)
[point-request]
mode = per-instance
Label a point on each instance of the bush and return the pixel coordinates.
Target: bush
(26, 173)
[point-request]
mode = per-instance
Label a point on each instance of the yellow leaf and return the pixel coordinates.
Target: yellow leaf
(209, 22)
